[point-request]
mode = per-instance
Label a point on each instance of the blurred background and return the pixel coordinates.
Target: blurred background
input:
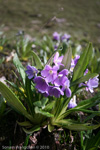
(80, 18)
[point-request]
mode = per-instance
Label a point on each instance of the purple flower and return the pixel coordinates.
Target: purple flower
(61, 77)
(64, 72)
(65, 37)
(66, 87)
(46, 94)
(82, 84)
(50, 73)
(72, 103)
(55, 91)
(74, 62)
(31, 71)
(55, 47)
(57, 60)
(92, 83)
(41, 84)
(72, 65)
(86, 71)
(56, 36)
(77, 57)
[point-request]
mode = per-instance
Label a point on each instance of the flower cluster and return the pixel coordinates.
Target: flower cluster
(57, 37)
(60, 38)
(51, 81)
(91, 83)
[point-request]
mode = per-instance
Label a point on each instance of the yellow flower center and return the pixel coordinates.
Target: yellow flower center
(50, 71)
(34, 72)
(65, 86)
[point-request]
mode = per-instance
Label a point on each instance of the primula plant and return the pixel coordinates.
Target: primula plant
(47, 95)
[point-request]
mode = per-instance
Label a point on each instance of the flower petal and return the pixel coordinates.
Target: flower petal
(68, 92)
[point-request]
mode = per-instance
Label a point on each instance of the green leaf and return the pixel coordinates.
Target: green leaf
(26, 142)
(37, 60)
(89, 102)
(50, 128)
(29, 94)
(93, 142)
(49, 106)
(41, 103)
(89, 117)
(51, 58)
(25, 124)
(67, 59)
(76, 126)
(83, 106)
(57, 108)
(82, 63)
(30, 131)
(19, 67)
(44, 113)
(13, 101)
(75, 110)
(15, 86)
(2, 106)
(37, 104)
(44, 101)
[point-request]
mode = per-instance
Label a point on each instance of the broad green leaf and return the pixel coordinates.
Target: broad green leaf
(27, 50)
(58, 108)
(29, 94)
(25, 124)
(67, 59)
(94, 64)
(13, 101)
(75, 110)
(49, 106)
(50, 128)
(89, 102)
(41, 103)
(15, 86)
(84, 78)
(64, 107)
(82, 63)
(65, 48)
(2, 106)
(93, 142)
(30, 131)
(51, 58)
(89, 117)
(26, 142)
(93, 148)
(44, 101)
(19, 67)
(37, 104)
(37, 60)
(40, 111)
(76, 126)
